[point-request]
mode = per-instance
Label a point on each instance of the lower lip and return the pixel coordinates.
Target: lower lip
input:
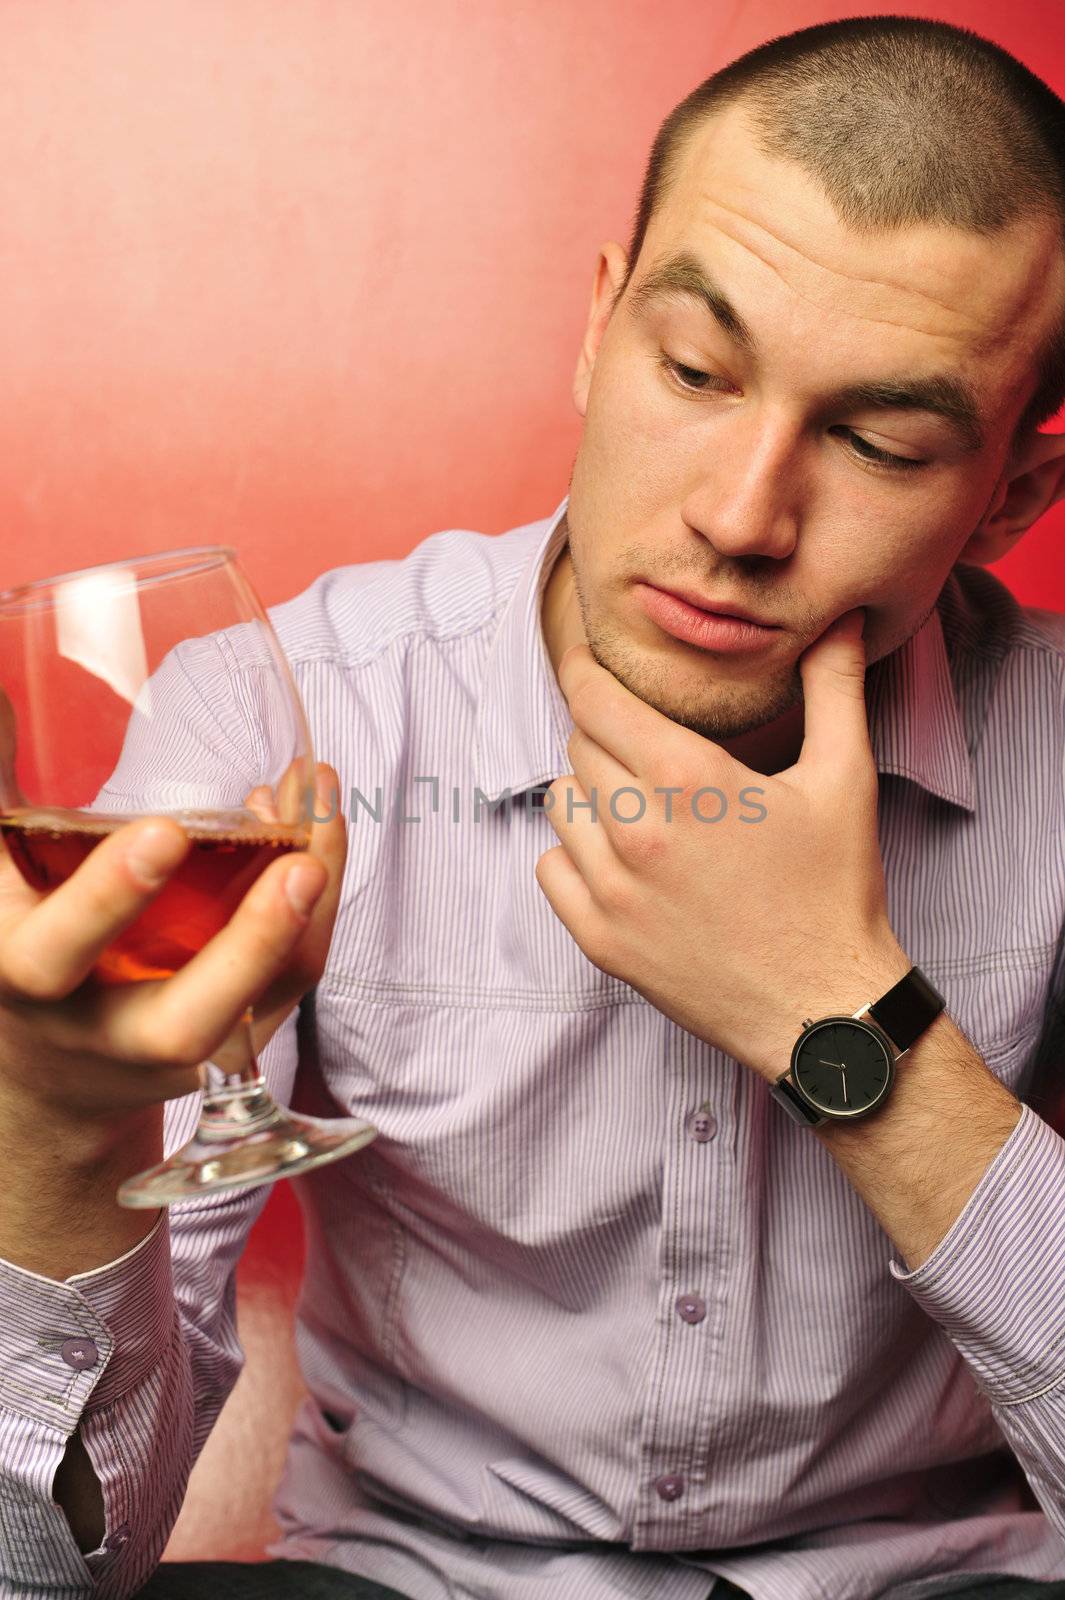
(706, 629)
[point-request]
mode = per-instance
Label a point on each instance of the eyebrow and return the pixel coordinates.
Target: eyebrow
(943, 395)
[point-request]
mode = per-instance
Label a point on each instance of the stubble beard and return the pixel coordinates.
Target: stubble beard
(716, 709)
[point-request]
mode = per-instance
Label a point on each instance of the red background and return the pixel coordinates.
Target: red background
(310, 278)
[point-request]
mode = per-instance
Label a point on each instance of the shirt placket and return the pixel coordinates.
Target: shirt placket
(687, 1370)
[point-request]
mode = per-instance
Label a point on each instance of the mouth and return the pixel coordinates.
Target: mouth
(718, 608)
(715, 626)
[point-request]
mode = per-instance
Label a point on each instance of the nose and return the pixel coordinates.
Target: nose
(746, 499)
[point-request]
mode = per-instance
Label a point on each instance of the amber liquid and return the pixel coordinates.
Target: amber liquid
(223, 863)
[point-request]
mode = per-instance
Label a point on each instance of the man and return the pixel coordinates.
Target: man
(608, 1309)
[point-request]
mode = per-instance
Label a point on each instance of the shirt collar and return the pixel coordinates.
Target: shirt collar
(523, 723)
(915, 722)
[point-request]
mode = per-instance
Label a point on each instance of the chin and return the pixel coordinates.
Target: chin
(718, 711)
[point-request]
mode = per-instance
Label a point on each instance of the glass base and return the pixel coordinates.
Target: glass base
(243, 1141)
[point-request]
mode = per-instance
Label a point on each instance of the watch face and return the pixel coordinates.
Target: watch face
(842, 1066)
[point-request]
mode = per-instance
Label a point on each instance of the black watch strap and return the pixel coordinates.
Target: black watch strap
(907, 1009)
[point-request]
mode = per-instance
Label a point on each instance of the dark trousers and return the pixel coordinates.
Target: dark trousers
(989, 1588)
(305, 1580)
(259, 1580)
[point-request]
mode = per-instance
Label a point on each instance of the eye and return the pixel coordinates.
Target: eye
(690, 378)
(875, 456)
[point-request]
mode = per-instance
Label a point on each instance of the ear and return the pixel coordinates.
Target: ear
(609, 276)
(1032, 480)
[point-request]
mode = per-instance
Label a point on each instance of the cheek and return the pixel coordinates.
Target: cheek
(895, 566)
(898, 540)
(630, 468)
(633, 413)
(616, 424)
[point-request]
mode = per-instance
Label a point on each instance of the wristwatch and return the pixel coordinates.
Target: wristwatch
(842, 1068)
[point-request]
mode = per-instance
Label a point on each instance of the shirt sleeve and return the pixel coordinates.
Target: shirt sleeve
(996, 1285)
(141, 1354)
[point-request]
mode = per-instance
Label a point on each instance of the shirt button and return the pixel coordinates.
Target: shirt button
(701, 1125)
(120, 1537)
(79, 1353)
(690, 1307)
(670, 1486)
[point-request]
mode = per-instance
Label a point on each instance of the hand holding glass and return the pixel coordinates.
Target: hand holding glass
(157, 687)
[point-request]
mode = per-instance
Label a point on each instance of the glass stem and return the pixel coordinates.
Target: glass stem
(235, 1096)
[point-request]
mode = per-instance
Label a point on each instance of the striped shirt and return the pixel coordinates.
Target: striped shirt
(592, 1318)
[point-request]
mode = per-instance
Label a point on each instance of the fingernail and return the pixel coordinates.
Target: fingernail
(303, 885)
(154, 854)
(325, 794)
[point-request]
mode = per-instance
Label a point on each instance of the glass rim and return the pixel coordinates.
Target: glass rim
(214, 555)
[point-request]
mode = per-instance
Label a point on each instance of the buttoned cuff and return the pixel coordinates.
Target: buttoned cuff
(68, 1347)
(993, 1283)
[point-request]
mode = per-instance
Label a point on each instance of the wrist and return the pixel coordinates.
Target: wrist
(46, 1132)
(59, 1213)
(844, 983)
(916, 1161)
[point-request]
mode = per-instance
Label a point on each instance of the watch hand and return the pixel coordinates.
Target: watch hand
(838, 1064)
(843, 1074)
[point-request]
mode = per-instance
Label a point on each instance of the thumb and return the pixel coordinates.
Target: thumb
(306, 965)
(329, 842)
(836, 727)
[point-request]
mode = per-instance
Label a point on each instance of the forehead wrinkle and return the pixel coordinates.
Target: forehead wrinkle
(820, 266)
(984, 341)
(681, 277)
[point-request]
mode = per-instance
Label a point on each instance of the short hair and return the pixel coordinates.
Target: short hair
(902, 121)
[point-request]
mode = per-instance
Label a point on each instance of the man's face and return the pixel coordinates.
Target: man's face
(738, 469)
